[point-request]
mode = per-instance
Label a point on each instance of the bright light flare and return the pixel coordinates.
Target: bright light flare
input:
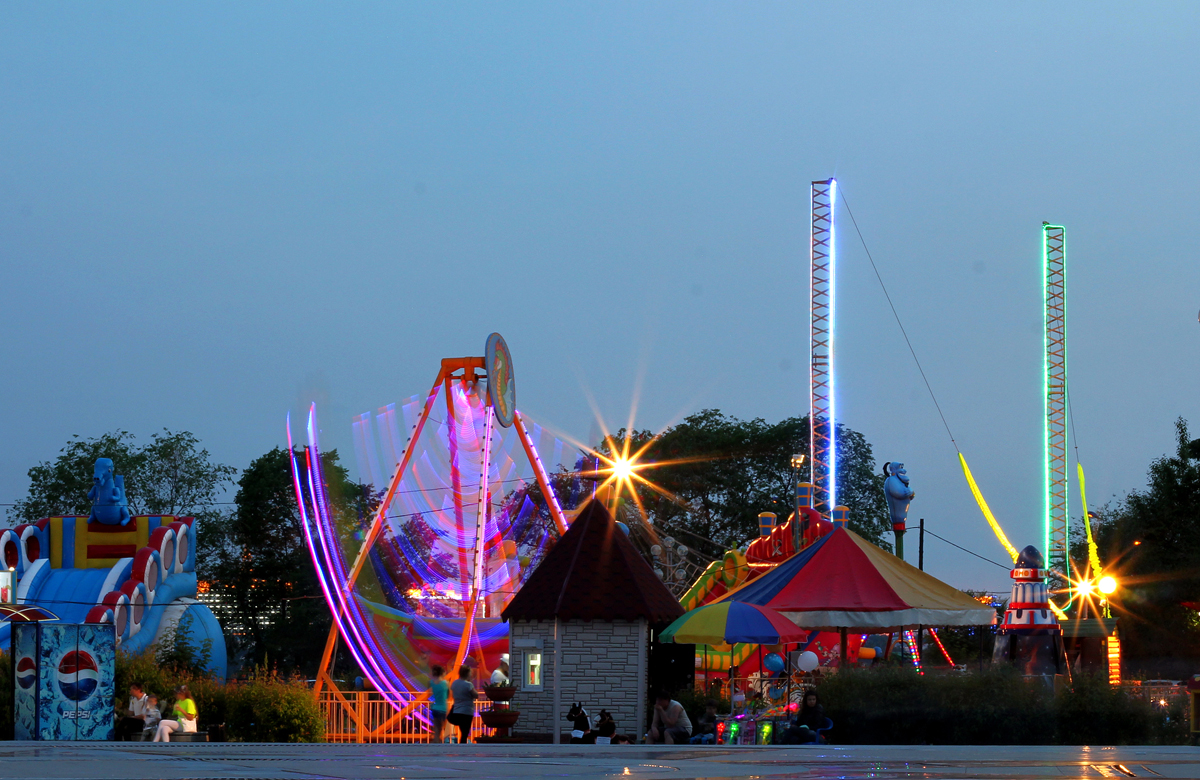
(1085, 587)
(622, 468)
(1107, 585)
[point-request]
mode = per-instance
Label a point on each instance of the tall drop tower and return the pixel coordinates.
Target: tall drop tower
(822, 255)
(1054, 283)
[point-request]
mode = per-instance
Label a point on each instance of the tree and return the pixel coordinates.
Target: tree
(172, 475)
(721, 472)
(1148, 540)
(257, 562)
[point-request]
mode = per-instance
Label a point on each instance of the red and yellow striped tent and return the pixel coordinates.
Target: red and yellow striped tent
(844, 581)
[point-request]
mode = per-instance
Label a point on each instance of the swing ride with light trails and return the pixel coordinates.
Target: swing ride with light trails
(469, 567)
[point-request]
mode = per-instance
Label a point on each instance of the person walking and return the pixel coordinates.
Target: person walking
(462, 713)
(439, 692)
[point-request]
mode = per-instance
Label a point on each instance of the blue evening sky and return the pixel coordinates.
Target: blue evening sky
(212, 213)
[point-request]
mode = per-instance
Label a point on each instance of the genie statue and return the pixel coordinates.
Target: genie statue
(109, 505)
(898, 494)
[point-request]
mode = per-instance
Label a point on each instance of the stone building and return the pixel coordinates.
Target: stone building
(579, 629)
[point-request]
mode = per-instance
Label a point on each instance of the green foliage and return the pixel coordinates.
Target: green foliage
(172, 475)
(162, 680)
(270, 708)
(256, 560)
(895, 705)
(721, 472)
(1092, 712)
(266, 707)
(1147, 540)
(177, 650)
(693, 702)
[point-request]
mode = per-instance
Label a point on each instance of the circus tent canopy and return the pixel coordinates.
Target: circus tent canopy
(843, 581)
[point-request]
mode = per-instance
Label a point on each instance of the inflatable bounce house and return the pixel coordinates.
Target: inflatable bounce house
(135, 572)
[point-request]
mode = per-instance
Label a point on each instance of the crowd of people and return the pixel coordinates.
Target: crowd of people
(143, 717)
(454, 703)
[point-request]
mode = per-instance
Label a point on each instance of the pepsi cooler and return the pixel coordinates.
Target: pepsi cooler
(64, 681)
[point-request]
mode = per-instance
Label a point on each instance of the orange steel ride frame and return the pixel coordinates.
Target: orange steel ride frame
(469, 366)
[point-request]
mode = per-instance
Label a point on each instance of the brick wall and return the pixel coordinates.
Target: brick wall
(604, 666)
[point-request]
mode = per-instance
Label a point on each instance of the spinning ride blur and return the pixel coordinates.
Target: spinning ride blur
(451, 540)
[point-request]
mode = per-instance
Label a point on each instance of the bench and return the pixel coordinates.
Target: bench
(178, 736)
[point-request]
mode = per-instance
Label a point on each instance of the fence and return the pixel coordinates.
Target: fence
(1162, 693)
(365, 716)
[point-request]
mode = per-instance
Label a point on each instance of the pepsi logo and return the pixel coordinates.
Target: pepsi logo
(78, 675)
(26, 672)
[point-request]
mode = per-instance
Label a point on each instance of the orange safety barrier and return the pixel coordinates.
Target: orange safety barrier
(365, 716)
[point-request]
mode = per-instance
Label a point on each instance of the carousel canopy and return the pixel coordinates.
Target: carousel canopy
(844, 581)
(25, 613)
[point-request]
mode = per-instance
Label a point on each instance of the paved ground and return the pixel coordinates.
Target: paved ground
(135, 761)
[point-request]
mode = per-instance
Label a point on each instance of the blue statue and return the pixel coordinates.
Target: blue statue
(109, 505)
(898, 494)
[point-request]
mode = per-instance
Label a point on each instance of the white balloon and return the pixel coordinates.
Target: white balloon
(808, 661)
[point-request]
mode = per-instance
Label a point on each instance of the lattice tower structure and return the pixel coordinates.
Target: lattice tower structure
(1054, 265)
(822, 257)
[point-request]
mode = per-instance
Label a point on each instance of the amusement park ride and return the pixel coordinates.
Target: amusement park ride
(469, 553)
(445, 512)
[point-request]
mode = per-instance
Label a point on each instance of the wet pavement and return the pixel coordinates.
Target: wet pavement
(136, 761)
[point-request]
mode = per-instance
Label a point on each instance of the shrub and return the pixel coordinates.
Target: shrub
(895, 705)
(693, 702)
(892, 705)
(1092, 712)
(270, 708)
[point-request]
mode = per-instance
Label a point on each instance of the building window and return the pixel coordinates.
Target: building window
(533, 671)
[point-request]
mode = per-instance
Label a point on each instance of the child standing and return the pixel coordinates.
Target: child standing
(439, 693)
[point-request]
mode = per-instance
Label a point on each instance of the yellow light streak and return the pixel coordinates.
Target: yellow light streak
(987, 513)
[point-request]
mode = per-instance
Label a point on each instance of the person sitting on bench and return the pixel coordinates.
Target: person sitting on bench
(134, 719)
(153, 716)
(185, 714)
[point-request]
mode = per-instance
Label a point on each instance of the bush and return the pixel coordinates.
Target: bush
(271, 708)
(1092, 712)
(265, 708)
(892, 705)
(895, 705)
(693, 702)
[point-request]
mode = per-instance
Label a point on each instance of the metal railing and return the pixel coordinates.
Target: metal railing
(365, 716)
(1161, 693)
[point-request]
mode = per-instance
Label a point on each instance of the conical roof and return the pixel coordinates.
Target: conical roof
(844, 581)
(593, 573)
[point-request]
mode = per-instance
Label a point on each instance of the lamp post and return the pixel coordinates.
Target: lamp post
(797, 534)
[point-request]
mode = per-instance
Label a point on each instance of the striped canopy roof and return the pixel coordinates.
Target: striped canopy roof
(844, 581)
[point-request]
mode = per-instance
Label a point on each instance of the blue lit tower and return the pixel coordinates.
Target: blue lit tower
(822, 255)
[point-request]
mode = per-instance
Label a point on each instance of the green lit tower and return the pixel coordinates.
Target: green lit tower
(1054, 284)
